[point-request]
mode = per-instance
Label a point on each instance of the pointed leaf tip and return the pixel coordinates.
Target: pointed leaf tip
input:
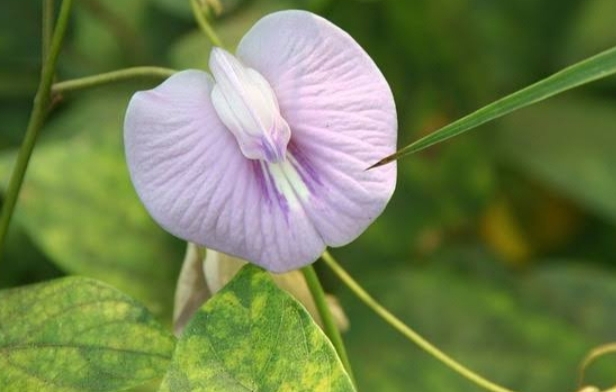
(383, 162)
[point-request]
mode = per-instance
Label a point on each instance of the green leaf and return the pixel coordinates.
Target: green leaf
(594, 68)
(568, 144)
(79, 206)
(252, 336)
(76, 334)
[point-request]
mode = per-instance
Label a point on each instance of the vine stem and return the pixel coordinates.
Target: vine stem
(204, 24)
(35, 123)
(329, 325)
(47, 28)
(405, 330)
(110, 77)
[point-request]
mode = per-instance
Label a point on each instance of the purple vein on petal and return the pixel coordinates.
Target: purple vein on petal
(266, 185)
(288, 184)
(304, 167)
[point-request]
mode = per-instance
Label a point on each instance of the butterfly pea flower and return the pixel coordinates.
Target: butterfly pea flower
(266, 158)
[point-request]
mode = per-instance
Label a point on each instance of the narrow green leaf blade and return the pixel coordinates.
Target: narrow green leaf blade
(253, 336)
(586, 71)
(77, 334)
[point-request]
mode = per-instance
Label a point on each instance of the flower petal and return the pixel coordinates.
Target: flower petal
(247, 106)
(192, 177)
(341, 113)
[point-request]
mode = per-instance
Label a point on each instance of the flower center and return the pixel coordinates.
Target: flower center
(247, 105)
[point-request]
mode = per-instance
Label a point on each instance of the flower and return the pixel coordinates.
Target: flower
(267, 159)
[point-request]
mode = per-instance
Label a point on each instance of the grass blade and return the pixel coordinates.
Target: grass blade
(586, 71)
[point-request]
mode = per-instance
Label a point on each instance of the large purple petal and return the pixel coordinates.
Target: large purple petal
(341, 113)
(192, 177)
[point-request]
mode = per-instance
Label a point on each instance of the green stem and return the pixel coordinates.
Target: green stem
(329, 325)
(48, 8)
(204, 24)
(37, 118)
(111, 77)
(406, 330)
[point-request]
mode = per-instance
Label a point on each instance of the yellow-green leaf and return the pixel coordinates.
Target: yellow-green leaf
(77, 334)
(253, 336)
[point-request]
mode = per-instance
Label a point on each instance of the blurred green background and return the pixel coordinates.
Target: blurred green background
(499, 245)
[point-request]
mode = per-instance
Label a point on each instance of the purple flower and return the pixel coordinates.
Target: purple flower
(267, 159)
